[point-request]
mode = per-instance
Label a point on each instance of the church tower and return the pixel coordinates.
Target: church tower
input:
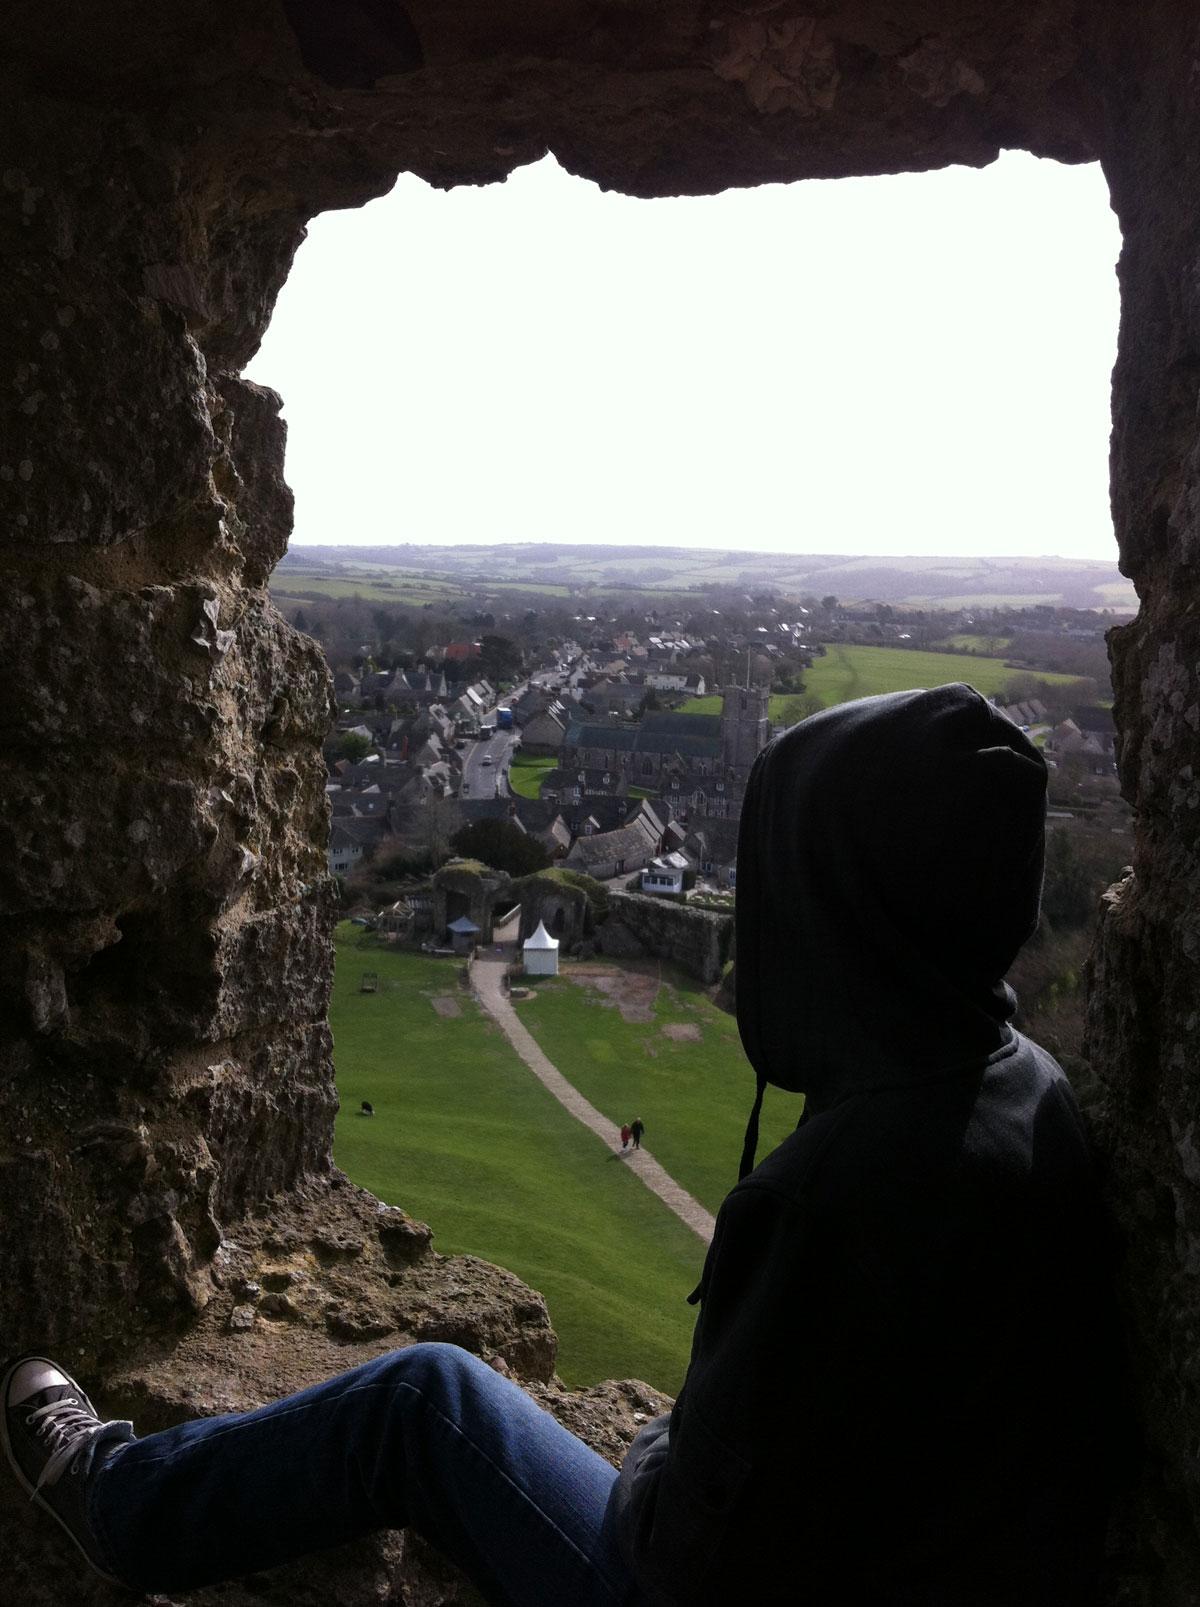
(745, 727)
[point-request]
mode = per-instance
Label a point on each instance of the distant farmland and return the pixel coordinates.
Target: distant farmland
(599, 569)
(377, 584)
(847, 672)
(376, 588)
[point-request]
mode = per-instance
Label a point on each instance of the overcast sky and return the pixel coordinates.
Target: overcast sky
(917, 364)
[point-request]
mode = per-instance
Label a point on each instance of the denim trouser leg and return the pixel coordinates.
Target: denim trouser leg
(429, 1437)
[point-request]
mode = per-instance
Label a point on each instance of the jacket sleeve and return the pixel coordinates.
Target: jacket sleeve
(677, 1494)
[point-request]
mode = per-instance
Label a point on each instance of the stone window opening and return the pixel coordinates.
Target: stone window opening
(146, 506)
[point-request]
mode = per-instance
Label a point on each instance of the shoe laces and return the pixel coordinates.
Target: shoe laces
(69, 1429)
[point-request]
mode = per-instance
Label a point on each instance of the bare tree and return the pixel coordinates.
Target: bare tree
(437, 820)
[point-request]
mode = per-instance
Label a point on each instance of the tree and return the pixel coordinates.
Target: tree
(1057, 697)
(352, 745)
(1068, 894)
(502, 845)
(788, 677)
(299, 621)
(795, 709)
(499, 658)
(437, 821)
(829, 604)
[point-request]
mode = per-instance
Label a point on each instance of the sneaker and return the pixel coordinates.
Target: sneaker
(51, 1434)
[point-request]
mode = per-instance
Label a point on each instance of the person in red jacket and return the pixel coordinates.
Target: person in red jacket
(906, 1379)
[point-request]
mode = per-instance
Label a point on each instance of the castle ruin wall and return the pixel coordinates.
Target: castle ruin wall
(165, 942)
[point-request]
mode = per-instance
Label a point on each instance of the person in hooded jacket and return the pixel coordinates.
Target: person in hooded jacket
(906, 1384)
(906, 1381)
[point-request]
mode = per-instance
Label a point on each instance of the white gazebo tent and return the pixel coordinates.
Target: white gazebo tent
(541, 952)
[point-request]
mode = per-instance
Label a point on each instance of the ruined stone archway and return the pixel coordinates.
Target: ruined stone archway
(165, 948)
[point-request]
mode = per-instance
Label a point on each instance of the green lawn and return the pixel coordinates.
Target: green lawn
(527, 772)
(694, 1095)
(466, 1138)
(969, 642)
(848, 671)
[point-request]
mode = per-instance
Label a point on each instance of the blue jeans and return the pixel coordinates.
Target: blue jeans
(429, 1437)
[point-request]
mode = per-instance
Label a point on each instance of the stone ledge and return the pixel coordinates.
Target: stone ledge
(326, 1279)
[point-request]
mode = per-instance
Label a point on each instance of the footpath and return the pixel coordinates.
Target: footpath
(487, 978)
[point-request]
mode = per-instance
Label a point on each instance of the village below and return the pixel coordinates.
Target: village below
(535, 791)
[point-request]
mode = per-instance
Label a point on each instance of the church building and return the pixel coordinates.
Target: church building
(670, 752)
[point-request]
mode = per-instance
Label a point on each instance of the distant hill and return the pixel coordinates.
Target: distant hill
(969, 581)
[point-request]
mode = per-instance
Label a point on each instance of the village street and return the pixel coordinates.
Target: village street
(481, 779)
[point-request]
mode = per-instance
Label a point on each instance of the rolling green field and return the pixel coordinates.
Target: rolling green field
(467, 1139)
(983, 599)
(527, 772)
(377, 584)
(540, 588)
(375, 588)
(694, 1093)
(848, 671)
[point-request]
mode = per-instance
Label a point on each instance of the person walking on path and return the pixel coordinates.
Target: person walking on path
(906, 1379)
(637, 1128)
(626, 1131)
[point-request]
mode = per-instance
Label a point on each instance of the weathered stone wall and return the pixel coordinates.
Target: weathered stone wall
(165, 935)
(563, 908)
(1144, 1012)
(164, 957)
(698, 941)
(467, 888)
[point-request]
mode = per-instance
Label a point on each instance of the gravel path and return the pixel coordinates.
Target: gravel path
(486, 978)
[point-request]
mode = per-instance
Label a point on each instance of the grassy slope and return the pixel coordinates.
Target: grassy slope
(694, 1097)
(527, 772)
(849, 671)
(466, 1138)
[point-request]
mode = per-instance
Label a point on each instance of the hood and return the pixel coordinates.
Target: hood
(889, 868)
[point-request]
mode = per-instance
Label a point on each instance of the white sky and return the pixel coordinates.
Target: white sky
(917, 364)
